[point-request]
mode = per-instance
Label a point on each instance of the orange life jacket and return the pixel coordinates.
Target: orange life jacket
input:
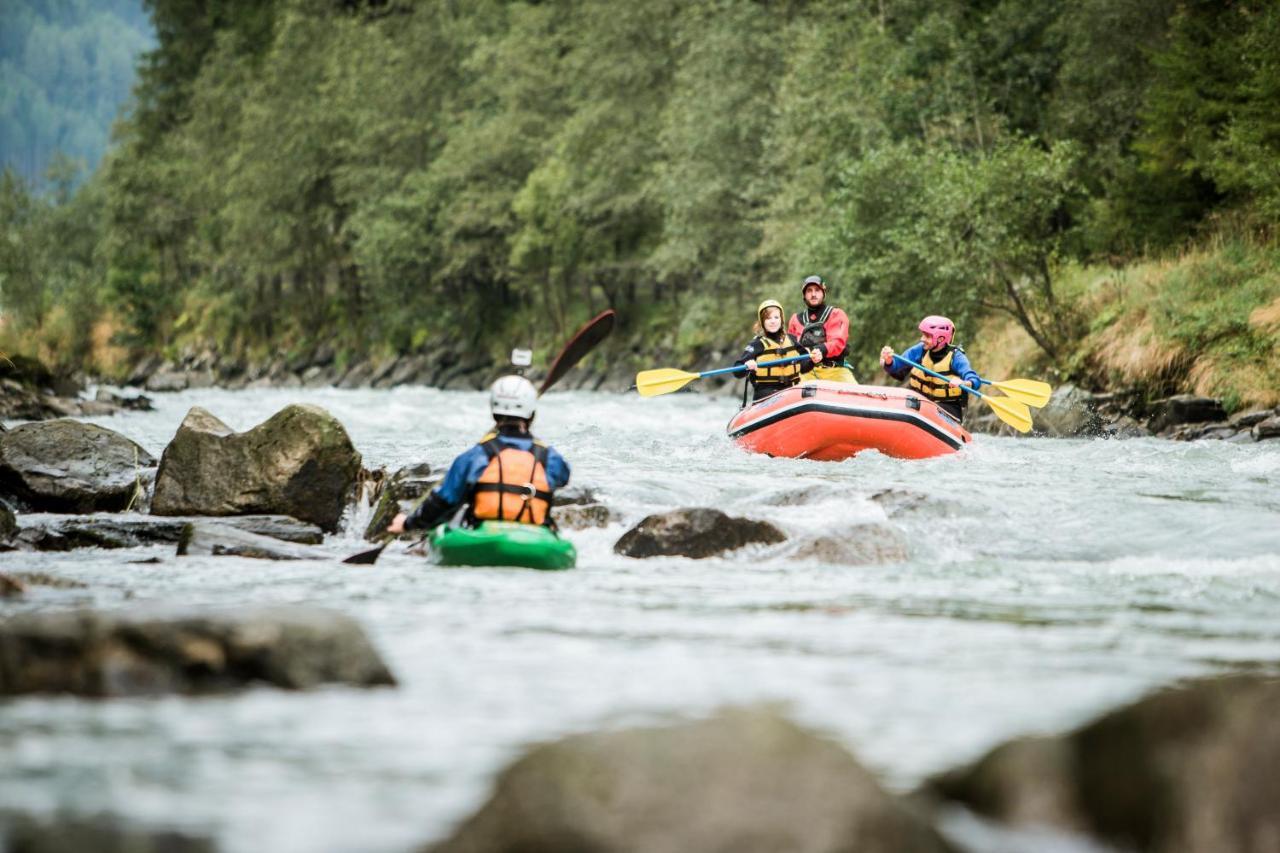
(513, 487)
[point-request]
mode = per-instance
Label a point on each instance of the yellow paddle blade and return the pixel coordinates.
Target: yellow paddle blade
(1009, 410)
(664, 380)
(1033, 392)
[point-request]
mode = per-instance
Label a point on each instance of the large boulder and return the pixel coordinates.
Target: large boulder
(124, 654)
(696, 532)
(1267, 428)
(743, 781)
(68, 466)
(300, 462)
(1193, 768)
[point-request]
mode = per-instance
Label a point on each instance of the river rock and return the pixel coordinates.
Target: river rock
(1185, 409)
(396, 494)
(1245, 420)
(62, 834)
(223, 540)
(695, 532)
(1071, 411)
(742, 781)
(8, 522)
(1269, 428)
(10, 586)
(300, 462)
(859, 545)
(167, 380)
(68, 466)
(96, 654)
(584, 516)
(1194, 768)
(135, 403)
(50, 532)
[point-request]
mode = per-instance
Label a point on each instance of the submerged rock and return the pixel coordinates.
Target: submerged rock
(300, 462)
(696, 532)
(742, 781)
(1192, 768)
(859, 545)
(69, 466)
(101, 655)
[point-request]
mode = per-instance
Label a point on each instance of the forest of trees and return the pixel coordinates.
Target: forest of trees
(66, 67)
(386, 175)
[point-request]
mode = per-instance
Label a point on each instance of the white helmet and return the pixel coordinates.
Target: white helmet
(514, 396)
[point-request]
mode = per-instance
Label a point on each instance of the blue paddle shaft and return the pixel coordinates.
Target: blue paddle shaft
(963, 385)
(741, 368)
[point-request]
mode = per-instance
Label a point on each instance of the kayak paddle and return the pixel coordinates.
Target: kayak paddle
(1033, 392)
(583, 341)
(1011, 411)
(664, 380)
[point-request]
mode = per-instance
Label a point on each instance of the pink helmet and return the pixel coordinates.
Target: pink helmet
(938, 331)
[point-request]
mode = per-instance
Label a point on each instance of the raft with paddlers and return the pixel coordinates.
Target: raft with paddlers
(831, 421)
(501, 543)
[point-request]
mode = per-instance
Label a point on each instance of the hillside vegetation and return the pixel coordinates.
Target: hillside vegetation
(388, 176)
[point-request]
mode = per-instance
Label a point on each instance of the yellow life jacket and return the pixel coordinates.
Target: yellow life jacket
(513, 487)
(774, 351)
(932, 386)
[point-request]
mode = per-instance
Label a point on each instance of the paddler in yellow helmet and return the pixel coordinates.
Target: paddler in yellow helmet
(771, 343)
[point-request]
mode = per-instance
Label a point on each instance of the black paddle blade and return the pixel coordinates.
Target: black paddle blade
(367, 558)
(584, 341)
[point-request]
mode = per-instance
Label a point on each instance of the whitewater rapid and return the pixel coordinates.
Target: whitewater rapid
(1048, 581)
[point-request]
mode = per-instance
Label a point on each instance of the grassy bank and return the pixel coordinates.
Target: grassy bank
(1205, 321)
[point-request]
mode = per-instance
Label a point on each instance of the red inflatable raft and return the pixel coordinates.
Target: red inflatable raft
(835, 420)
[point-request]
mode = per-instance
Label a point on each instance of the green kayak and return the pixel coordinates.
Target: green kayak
(501, 543)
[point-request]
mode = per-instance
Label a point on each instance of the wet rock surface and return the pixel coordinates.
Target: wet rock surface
(48, 532)
(27, 834)
(300, 462)
(68, 466)
(742, 781)
(147, 653)
(1196, 767)
(694, 532)
(399, 493)
(217, 539)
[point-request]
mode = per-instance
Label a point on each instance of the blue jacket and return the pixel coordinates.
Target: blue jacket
(959, 365)
(466, 470)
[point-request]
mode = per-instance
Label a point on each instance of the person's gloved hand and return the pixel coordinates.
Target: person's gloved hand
(975, 383)
(955, 381)
(815, 355)
(886, 356)
(750, 364)
(397, 523)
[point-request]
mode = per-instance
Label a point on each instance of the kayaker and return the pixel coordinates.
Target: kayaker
(770, 343)
(937, 352)
(823, 330)
(508, 476)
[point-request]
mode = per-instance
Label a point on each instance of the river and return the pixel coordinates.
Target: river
(1048, 581)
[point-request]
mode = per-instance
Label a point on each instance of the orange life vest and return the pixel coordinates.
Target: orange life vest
(513, 487)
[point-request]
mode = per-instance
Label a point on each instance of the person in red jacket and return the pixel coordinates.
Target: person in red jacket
(823, 331)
